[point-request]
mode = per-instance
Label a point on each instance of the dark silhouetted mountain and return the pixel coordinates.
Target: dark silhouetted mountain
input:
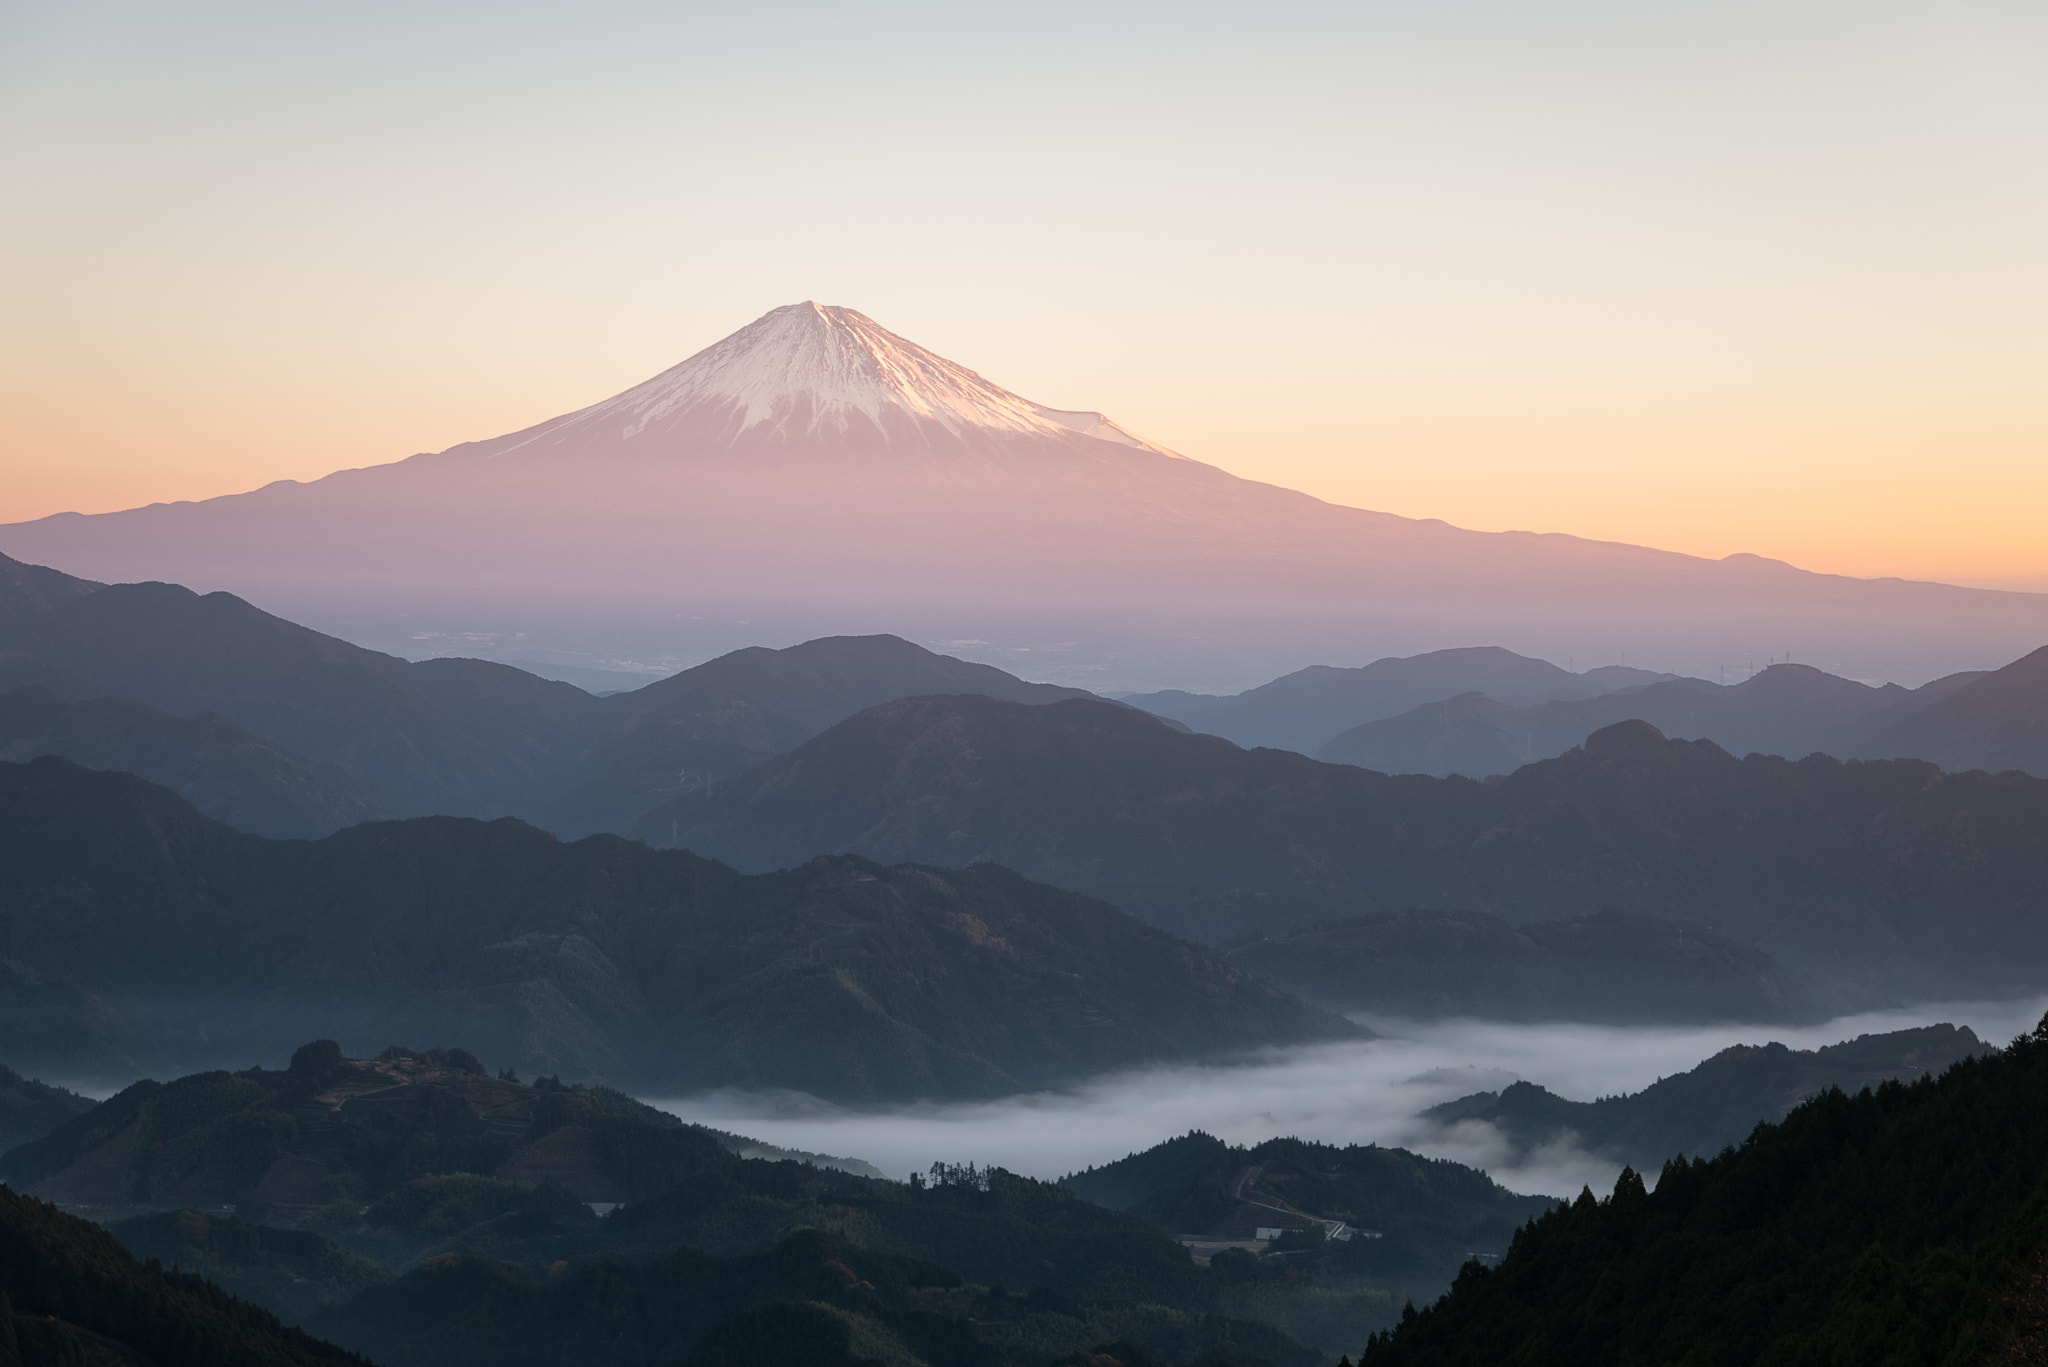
(1304, 710)
(726, 716)
(30, 590)
(1890, 872)
(1700, 1112)
(1611, 966)
(69, 1293)
(293, 1273)
(210, 762)
(437, 737)
(143, 934)
(1994, 722)
(30, 1109)
(1790, 710)
(458, 736)
(1903, 1225)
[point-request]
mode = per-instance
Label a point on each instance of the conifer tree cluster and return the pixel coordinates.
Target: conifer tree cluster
(1901, 1227)
(60, 1275)
(962, 1175)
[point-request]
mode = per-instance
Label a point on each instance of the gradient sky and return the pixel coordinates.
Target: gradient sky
(1716, 277)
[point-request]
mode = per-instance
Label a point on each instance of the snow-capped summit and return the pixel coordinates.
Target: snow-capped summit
(816, 373)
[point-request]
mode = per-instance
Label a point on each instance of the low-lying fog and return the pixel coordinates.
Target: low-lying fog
(1342, 1094)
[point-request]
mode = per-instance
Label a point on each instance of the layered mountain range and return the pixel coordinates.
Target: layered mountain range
(874, 746)
(285, 731)
(941, 881)
(1890, 874)
(1991, 720)
(1310, 707)
(815, 473)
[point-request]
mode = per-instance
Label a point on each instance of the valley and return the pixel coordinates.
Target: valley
(420, 1208)
(857, 1002)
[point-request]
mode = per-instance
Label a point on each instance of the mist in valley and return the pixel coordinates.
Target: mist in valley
(1367, 1092)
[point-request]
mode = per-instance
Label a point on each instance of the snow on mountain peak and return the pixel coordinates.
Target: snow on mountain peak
(812, 370)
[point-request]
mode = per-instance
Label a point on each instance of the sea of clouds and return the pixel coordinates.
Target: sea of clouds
(1356, 1093)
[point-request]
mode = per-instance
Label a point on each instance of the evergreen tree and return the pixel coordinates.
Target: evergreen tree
(10, 1342)
(1901, 1227)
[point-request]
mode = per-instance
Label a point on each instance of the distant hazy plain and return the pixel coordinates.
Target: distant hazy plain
(1368, 1092)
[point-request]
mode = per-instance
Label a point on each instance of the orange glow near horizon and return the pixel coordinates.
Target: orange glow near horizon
(1874, 488)
(1753, 277)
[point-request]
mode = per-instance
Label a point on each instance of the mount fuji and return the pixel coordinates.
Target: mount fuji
(814, 473)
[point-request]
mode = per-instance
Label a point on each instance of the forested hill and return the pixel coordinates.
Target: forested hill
(30, 1109)
(1898, 1227)
(69, 1293)
(1411, 1221)
(160, 940)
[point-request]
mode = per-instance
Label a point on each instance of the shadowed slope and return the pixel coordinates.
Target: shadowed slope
(74, 1295)
(462, 736)
(212, 763)
(729, 714)
(444, 736)
(1999, 721)
(29, 590)
(1612, 966)
(1904, 1226)
(1888, 872)
(1304, 710)
(30, 1109)
(153, 937)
